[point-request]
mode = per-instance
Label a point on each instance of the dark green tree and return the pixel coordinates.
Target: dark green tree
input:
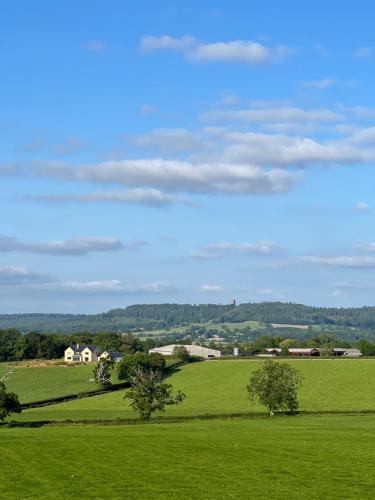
(9, 402)
(181, 353)
(140, 360)
(275, 386)
(148, 394)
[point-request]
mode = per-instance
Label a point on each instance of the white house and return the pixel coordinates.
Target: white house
(193, 350)
(77, 353)
(115, 355)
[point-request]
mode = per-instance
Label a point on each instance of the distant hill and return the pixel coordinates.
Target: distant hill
(154, 316)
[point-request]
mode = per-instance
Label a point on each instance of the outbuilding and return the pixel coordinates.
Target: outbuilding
(114, 355)
(303, 352)
(346, 352)
(193, 350)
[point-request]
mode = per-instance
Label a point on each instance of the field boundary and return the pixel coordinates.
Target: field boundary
(96, 392)
(71, 397)
(181, 419)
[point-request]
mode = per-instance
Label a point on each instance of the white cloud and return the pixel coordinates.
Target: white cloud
(284, 150)
(20, 276)
(174, 176)
(341, 261)
(366, 247)
(325, 83)
(219, 250)
(211, 288)
(153, 43)
(77, 246)
(96, 46)
(285, 114)
(245, 51)
(362, 207)
(170, 141)
(110, 286)
(136, 196)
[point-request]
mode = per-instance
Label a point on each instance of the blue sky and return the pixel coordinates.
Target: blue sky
(186, 151)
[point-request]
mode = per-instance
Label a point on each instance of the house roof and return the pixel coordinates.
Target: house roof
(78, 348)
(115, 354)
(304, 349)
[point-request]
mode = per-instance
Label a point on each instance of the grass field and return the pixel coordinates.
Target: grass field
(219, 387)
(212, 325)
(34, 384)
(280, 458)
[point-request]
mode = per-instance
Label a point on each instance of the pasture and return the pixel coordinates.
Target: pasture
(219, 387)
(35, 384)
(279, 458)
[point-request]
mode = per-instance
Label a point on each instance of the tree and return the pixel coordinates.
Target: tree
(131, 363)
(285, 345)
(366, 348)
(9, 402)
(275, 385)
(102, 372)
(181, 353)
(148, 394)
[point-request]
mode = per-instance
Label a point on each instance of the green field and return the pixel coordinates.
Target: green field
(286, 458)
(210, 324)
(219, 387)
(34, 384)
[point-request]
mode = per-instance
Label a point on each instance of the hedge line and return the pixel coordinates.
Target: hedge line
(70, 397)
(169, 420)
(88, 394)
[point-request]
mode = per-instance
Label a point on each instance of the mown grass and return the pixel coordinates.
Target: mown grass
(34, 384)
(219, 387)
(280, 458)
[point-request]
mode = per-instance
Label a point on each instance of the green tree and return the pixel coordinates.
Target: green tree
(285, 345)
(102, 372)
(140, 360)
(275, 386)
(9, 402)
(148, 394)
(366, 348)
(181, 353)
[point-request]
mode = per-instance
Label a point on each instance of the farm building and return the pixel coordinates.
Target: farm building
(115, 355)
(273, 351)
(303, 352)
(347, 353)
(193, 350)
(77, 353)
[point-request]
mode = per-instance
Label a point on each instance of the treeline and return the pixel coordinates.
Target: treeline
(155, 316)
(75, 323)
(14, 346)
(172, 314)
(295, 314)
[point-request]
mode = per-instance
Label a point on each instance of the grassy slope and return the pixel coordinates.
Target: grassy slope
(217, 387)
(33, 384)
(210, 324)
(300, 457)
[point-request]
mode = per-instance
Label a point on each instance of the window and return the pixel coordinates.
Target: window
(87, 358)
